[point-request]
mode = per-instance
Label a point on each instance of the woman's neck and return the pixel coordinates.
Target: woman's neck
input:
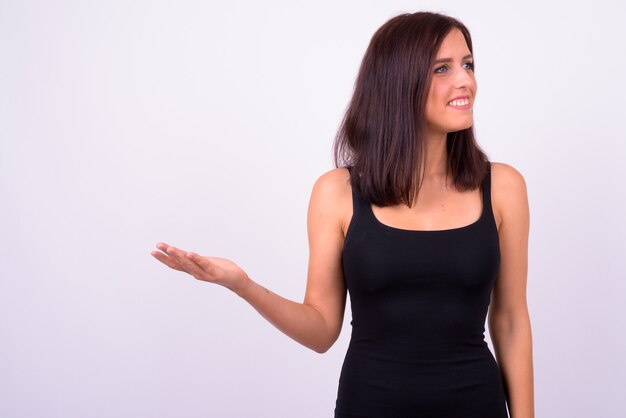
(436, 157)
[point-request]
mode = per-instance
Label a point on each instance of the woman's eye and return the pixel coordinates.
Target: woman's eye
(469, 65)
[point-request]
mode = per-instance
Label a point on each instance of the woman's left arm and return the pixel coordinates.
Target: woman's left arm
(509, 321)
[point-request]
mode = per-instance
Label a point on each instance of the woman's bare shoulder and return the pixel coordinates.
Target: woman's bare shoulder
(506, 172)
(508, 187)
(334, 184)
(337, 179)
(333, 190)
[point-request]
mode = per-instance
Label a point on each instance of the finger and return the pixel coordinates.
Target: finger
(168, 261)
(188, 264)
(203, 262)
(173, 251)
(162, 246)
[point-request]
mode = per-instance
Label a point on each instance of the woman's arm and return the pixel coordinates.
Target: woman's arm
(315, 323)
(509, 321)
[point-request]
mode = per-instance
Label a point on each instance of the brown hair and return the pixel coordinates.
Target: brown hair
(382, 132)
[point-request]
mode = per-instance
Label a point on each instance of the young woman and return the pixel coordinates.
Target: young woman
(424, 232)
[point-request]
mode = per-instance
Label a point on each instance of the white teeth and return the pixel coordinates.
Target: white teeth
(461, 102)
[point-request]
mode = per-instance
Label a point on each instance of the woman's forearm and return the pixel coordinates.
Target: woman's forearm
(513, 348)
(299, 321)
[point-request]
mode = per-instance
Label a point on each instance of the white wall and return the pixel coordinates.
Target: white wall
(205, 125)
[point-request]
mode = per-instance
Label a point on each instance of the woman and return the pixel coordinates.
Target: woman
(425, 234)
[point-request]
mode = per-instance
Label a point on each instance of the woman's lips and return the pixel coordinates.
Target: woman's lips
(461, 103)
(462, 107)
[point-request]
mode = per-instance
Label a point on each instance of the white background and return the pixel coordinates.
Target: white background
(205, 125)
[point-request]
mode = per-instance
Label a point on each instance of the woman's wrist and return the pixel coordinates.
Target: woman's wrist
(243, 287)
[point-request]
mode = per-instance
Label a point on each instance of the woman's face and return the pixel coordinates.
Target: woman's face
(452, 78)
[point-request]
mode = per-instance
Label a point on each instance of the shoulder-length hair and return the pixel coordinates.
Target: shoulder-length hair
(382, 134)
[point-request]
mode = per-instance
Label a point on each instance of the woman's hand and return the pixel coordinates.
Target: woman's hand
(209, 269)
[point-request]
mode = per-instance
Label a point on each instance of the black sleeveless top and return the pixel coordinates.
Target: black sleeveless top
(419, 303)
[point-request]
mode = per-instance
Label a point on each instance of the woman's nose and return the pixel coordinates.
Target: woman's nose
(464, 77)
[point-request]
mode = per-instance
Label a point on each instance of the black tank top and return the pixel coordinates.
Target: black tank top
(419, 302)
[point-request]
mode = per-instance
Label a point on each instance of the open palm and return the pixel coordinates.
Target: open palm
(209, 269)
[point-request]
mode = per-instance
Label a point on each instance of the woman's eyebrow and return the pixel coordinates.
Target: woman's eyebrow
(450, 59)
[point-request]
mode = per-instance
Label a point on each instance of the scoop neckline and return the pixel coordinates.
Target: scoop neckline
(423, 231)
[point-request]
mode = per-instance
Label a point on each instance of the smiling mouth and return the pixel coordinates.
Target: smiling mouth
(459, 103)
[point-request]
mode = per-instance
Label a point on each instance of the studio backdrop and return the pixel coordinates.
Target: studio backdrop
(205, 125)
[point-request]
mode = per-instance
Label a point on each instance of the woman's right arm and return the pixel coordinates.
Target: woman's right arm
(315, 323)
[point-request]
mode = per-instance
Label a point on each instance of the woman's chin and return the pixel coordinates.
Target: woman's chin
(460, 127)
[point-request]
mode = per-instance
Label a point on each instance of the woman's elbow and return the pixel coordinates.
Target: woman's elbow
(324, 345)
